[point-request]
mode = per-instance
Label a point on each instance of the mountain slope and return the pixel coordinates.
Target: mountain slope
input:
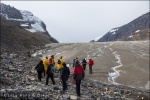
(15, 38)
(137, 29)
(24, 18)
(21, 30)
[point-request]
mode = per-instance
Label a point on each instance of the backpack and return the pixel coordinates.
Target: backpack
(91, 62)
(50, 70)
(50, 61)
(40, 68)
(66, 72)
(78, 73)
(59, 62)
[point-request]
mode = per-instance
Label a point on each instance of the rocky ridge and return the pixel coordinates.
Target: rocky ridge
(26, 21)
(138, 29)
(23, 18)
(19, 81)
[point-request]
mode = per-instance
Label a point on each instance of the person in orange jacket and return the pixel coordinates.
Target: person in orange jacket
(91, 63)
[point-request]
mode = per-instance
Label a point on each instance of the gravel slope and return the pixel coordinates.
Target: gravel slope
(130, 61)
(133, 58)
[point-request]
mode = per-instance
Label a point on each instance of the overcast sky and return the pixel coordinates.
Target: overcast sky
(82, 21)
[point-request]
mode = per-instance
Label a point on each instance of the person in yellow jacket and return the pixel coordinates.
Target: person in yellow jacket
(61, 59)
(45, 63)
(59, 63)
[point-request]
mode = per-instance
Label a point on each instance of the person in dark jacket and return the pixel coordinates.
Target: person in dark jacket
(84, 63)
(40, 68)
(50, 74)
(74, 61)
(64, 75)
(78, 76)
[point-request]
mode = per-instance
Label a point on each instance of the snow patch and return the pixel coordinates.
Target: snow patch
(5, 15)
(57, 53)
(111, 49)
(113, 33)
(34, 55)
(105, 46)
(100, 50)
(112, 74)
(115, 74)
(24, 25)
(36, 22)
(137, 31)
(37, 53)
(97, 38)
(113, 30)
(130, 36)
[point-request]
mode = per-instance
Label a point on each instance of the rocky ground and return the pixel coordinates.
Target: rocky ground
(19, 79)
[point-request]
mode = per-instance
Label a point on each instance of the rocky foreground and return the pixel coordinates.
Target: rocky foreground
(19, 81)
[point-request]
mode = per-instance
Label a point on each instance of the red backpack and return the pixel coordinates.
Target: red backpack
(91, 62)
(50, 61)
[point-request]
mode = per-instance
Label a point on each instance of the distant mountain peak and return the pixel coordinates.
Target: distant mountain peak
(9, 12)
(25, 18)
(34, 21)
(138, 29)
(22, 28)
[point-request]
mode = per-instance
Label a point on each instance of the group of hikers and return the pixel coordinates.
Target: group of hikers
(47, 68)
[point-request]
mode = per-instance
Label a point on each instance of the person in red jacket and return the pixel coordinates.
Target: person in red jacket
(91, 63)
(78, 75)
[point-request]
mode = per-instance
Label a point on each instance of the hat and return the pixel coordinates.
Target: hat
(77, 62)
(52, 55)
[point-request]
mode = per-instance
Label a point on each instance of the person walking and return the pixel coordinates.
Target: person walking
(51, 60)
(73, 62)
(91, 63)
(50, 74)
(40, 68)
(61, 60)
(59, 63)
(84, 64)
(45, 63)
(64, 75)
(78, 75)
